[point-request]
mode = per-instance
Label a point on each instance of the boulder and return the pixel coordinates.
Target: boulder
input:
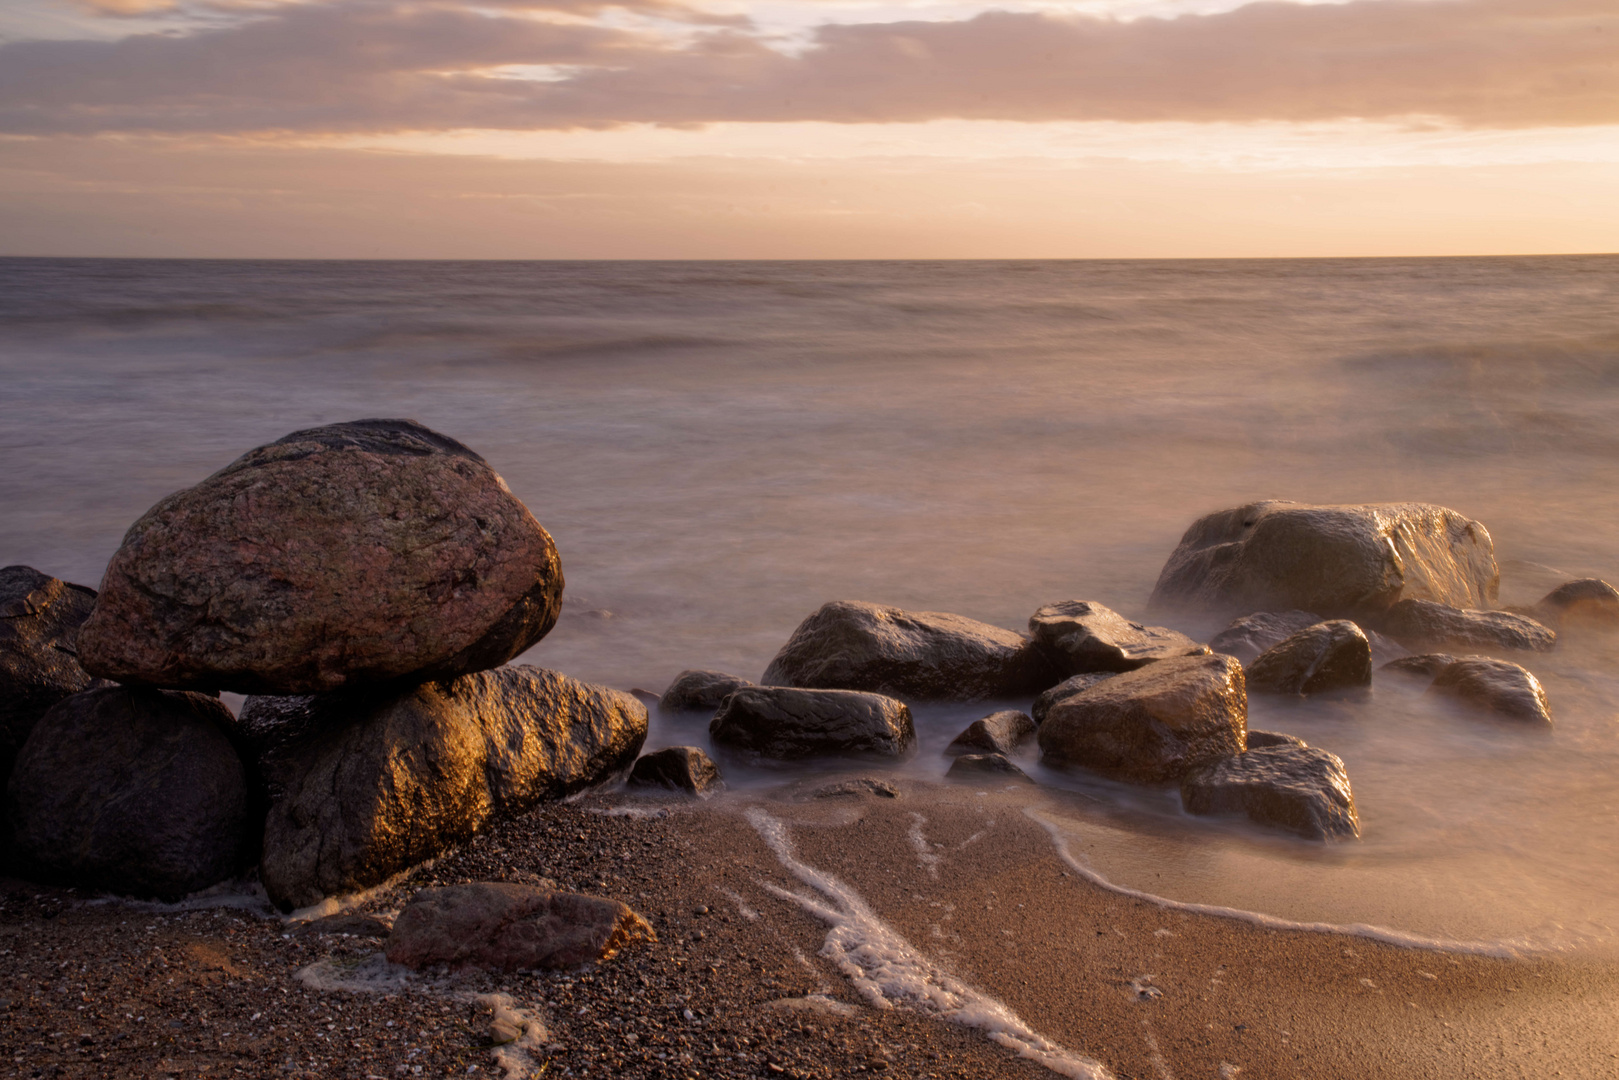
(1501, 687)
(1154, 724)
(1327, 656)
(1424, 624)
(1080, 636)
(699, 691)
(678, 768)
(998, 733)
(372, 552)
(1300, 789)
(985, 766)
(1588, 601)
(1426, 665)
(1338, 561)
(134, 791)
(786, 724)
(920, 655)
(1259, 739)
(1065, 690)
(1250, 635)
(363, 786)
(504, 927)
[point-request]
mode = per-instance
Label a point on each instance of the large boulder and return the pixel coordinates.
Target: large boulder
(677, 768)
(1081, 636)
(920, 655)
(1503, 688)
(1331, 655)
(1154, 724)
(1338, 561)
(133, 791)
(504, 927)
(786, 724)
(371, 552)
(699, 691)
(1425, 624)
(998, 733)
(1586, 602)
(1297, 788)
(1064, 690)
(364, 786)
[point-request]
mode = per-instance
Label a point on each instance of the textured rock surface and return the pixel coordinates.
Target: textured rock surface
(1423, 624)
(1064, 690)
(1424, 664)
(1258, 740)
(1501, 687)
(364, 786)
(699, 691)
(1080, 636)
(784, 723)
(361, 553)
(921, 655)
(1338, 561)
(1250, 635)
(1327, 656)
(1155, 724)
(976, 766)
(1300, 789)
(1588, 601)
(504, 927)
(998, 733)
(678, 768)
(132, 791)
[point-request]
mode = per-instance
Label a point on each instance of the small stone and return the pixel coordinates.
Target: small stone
(1301, 789)
(1424, 664)
(1081, 636)
(700, 691)
(859, 787)
(998, 733)
(1327, 656)
(1503, 688)
(1250, 635)
(1424, 624)
(1258, 740)
(1586, 602)
(788, 724)
(981, 765)
(677, 768)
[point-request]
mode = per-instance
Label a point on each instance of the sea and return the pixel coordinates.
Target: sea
(721, 447)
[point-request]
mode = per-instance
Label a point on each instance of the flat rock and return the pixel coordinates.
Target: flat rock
(1331, 655)
(1501, 687)
(1260, 739)
(984, 765)
(678, 768)
(1586, 602)
(503, 927)
(1423, 664)
(1154, 724)
(1423, 625)
(363, 786)
(1064, 690)
(1300, 789)
(699, 691)
(365, 553)
(998, 733)
(787, 724)
(137, 792)
(1338, 561)
(1081, 636)
(918, 655)
(858, 788)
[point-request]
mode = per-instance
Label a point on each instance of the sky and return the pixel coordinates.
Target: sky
(808, 128)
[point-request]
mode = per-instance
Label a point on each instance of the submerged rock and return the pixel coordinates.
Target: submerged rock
(1424, 664)
(1424, 624)
(998, 733)
(920, 655)
(371, 552)
(1250, 635)
(1080, 636)
(1586, 602)
(976, 766)
(678, 768)
(1300, 789)
(1501, 687)
(138, 792)
(1327, 656)
(1154, 724)
(697, 690)
(1339, 561)
(787, 724)
(504, 927)
(1065, 690)
(1258, 740)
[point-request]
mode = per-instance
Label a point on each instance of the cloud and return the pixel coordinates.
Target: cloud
(374, 66)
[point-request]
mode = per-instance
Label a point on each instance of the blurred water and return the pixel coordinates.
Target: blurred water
(718, 448)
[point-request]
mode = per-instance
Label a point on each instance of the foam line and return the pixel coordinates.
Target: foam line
(887, 970)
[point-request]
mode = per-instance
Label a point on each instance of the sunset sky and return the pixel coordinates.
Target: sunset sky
(808, 128)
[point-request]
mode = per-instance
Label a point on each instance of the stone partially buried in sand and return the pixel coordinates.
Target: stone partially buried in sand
(504, 927)
(998, 733)
(677, 768)
(1080, 636)
(699, 691)
(369, 552)
(1503, 688)
(787, 724)
(1300, 789)
(1331, 655)
(1423, 624)
(984, 767)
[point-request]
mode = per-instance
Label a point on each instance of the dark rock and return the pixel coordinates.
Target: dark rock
(1340, 561)
(133, 791)
(921, 655)
(503, 927)
(1080, 636)
(699, 691)
(348, 924)
(372, 552)
(1065, 690)
(1154, 724)
(1327, 656)
(858, 788)
(1250, 635)
(1424, 624)
(364, 786)
(679, 768)
(1424, 664)
(998, 733)
(985, 765)
(1588, 602)
(1501, 687)
(786, 724)
(1259, 739)
(1300, 789)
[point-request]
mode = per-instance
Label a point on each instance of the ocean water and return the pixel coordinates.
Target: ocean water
(719, 448)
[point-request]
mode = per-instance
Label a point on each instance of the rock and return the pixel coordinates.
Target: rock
(364, 786)
(348, 924)
(921, 655)
(998, 733)
(502, 927)
(1154, 724)
(699, 691)
(1339, 561)
(858, 788)
(133, 791)
(1501, 687)
(1300, 789)
(679, 768)
(1080, 636)
(976, 766)
(1065, 690)
(787, 724)
(372, 552)
(1588, 601)
(1259, 739)
(1424, 664)
(1250, 635)
(1423, 624)
(1327, 656)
